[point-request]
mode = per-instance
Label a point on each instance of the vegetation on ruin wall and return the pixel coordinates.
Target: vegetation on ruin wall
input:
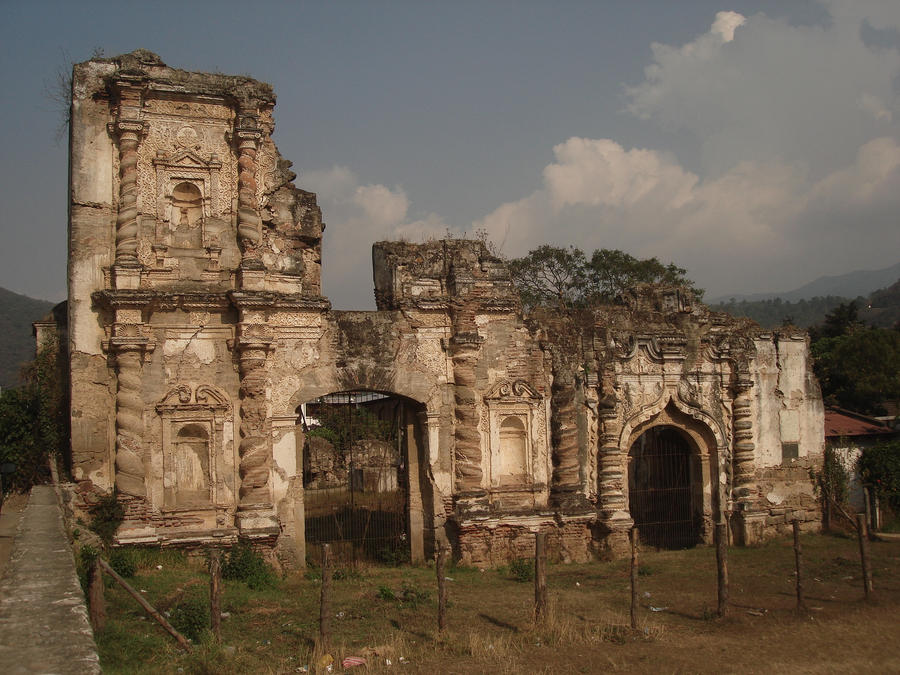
(34, 420)
(566, 278)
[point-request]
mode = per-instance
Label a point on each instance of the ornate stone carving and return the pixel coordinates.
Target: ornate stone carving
(254, 446)
(745, 489)
(515, 390)
(249, 232)
(611, 467)
(690, 392)
(638, 395)
(129, 351)
(464, 349)
(563, 427)
(129, 132)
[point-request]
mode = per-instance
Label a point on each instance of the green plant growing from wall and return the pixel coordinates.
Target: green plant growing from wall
(106, 516)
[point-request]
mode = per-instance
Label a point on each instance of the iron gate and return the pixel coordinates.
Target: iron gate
(355, 478)
(663, 500)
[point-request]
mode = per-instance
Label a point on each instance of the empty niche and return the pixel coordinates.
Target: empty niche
(513, 460)
(193, 433)
(191, 459)
(187, 216)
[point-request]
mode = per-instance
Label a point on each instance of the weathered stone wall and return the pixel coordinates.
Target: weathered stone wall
(197, 330)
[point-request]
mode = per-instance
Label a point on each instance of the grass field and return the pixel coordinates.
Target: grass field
(388, 616)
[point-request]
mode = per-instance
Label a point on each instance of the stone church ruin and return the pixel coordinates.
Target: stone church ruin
(214, 388)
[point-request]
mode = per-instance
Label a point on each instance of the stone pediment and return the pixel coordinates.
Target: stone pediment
(187, 159)
(185, 397)
(512, 390)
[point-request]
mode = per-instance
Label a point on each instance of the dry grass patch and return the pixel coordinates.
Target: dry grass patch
(390, 615)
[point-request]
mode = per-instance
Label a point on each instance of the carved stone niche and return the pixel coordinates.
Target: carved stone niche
(512, 414)
(190, 218)
(193, 425)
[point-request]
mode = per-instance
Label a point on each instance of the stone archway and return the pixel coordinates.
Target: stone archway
(674, 479)
(664, 496)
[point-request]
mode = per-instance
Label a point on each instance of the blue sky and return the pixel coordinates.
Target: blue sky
(755, 143)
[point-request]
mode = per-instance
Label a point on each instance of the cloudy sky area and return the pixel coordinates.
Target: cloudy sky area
(755, 143)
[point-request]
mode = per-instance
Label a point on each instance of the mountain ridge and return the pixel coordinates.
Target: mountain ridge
(849, 285)
(17, 312)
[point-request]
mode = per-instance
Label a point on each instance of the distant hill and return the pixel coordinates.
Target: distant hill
(17, 312)
(880, 309)
(851, 285)
(883, 307)
(772, 313)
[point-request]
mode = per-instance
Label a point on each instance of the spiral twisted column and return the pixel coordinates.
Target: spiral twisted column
(612, 468)
(564, 432)
(745, 488)
(129, 464)
(249, 223)
(129, 132)
(254, 443)
(467, 440)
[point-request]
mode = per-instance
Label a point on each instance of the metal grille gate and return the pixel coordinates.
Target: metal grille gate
(663, 500)
(354, 477)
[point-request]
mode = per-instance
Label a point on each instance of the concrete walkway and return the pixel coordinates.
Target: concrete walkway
(44, 624)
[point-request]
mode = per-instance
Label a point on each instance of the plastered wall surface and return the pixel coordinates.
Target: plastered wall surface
(197, 331)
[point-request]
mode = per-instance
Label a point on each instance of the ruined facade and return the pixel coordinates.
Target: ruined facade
(197, 332)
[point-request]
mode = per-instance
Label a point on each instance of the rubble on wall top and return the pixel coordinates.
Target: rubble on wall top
(146, 64)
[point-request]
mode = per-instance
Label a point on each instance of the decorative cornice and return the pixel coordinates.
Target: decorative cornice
(272, 300)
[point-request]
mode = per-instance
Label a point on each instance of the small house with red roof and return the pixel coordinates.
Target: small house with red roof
(848, 434)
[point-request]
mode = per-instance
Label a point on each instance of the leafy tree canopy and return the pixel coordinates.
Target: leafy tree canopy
(858, 367)
(566, 278)
(33, 420)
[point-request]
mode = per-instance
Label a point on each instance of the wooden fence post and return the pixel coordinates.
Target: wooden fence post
(215, 593)
(96, 601)
(798, 561)
(540, 576)
(863, 533)
(325, 601)
(441, 570)
(634, 576)
(722, 568)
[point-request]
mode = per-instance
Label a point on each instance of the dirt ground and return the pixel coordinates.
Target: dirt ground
(387, 615)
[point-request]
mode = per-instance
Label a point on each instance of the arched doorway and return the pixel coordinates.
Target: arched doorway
(357, 453)
(664, 488)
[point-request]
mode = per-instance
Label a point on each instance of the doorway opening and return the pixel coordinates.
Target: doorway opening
(356, 475)
(664, 493)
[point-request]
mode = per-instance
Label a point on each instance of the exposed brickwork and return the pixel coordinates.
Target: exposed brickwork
(198, 331)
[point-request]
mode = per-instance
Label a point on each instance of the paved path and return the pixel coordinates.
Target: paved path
(44, 625)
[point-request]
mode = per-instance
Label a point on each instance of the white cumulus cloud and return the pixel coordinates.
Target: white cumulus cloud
(799, 170)
(357, 215)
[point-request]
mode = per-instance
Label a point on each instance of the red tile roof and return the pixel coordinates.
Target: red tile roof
(844, 423)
